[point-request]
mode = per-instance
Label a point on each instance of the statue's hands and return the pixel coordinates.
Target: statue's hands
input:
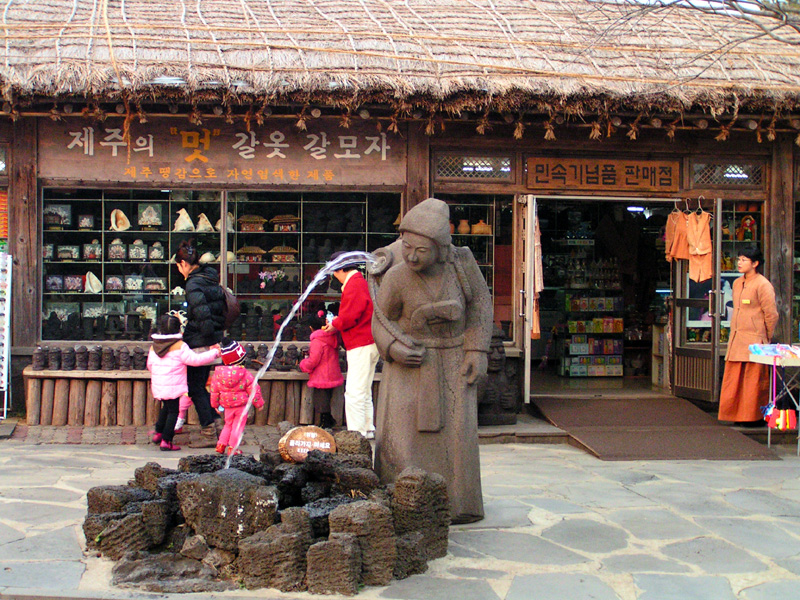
(406, 355)
(474, 366)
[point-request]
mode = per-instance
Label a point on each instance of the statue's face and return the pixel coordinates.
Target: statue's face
(497, 355)
(419, 252)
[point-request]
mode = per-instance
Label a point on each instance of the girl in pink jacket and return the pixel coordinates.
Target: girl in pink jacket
(230, 388)
(167, 362)
(322, 364)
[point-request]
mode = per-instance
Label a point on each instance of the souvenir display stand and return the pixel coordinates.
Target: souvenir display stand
(5, 330)
(784, 378)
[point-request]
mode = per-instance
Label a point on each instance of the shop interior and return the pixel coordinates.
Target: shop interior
(606, 284)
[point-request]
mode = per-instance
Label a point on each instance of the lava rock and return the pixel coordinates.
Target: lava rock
(158, 517)
(314, 490)
(147, 477)
(320, 510)
(372, 524)
(166, 573)
(325, 467)
(227, 506)
(277, 557)
(93, 526)
(411, 555)
(290, 479)
(113, 498)
(124, 535)
(210, 463)
(420, 503)
(54, 359)
(195, 547)
(334, 565)
(218, 558)
(352, 442)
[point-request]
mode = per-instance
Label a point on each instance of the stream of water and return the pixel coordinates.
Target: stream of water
(348, 258)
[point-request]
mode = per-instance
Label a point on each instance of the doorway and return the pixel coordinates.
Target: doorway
(605, 306)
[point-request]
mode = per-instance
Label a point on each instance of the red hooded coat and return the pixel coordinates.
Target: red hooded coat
(323, 360)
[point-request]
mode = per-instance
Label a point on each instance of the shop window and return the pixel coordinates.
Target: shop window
(468, 167)
(108, 271)
(3, 160)
(738, 174)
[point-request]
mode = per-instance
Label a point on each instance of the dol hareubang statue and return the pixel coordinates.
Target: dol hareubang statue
(432, 324)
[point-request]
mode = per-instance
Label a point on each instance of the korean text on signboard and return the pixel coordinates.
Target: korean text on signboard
(275, 154)
(602, 174)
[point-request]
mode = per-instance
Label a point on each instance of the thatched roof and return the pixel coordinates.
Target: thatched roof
(570, 55)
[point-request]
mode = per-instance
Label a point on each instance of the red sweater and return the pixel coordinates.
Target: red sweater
(355, 314)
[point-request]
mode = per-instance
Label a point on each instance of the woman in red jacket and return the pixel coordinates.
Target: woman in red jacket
(322, 364)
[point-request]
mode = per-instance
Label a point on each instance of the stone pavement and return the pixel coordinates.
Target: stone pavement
(560, 525)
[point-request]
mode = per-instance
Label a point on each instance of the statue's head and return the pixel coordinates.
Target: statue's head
(497, 354)
(425, 233)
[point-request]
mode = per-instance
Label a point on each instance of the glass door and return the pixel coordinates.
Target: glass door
(697, 315)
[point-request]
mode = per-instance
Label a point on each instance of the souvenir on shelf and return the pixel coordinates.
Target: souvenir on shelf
(48, 250)
(57, 216)
(68, 253)
(93, 251)
(229, 257)
(115, 283)
(150, 216)
(155, 284)
(481, 228)
(133, 283)
(251, 223)
(207, 257)
(230, 227)
(183, 222)
(117, 250)
(747, 230)
(283, 254)
(86, 222)
(284, 223)
(137, 251)
(250, 254)
(119, 221)
(54, 283)
(93, 284)
(177, 291)
(203, 224)
(207, 197)
(180, 195)
(156, 251)
(73, 283)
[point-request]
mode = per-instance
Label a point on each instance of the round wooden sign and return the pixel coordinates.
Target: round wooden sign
(298, 442)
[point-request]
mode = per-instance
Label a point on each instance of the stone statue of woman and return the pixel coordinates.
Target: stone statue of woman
(432, 324)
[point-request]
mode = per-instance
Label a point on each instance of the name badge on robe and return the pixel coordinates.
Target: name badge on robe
(746, 301)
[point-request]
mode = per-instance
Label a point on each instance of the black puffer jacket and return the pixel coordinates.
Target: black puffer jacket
(205, 308)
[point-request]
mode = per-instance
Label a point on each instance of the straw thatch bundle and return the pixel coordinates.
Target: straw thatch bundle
(567, 55)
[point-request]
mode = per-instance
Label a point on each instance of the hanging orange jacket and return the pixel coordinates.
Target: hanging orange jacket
(698, 237)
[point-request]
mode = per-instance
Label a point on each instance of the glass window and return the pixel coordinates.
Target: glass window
(728, 174)
(460, 167)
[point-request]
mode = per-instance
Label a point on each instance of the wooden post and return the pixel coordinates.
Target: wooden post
(277, 402)
(192, 418)
(337, 405)
(140, 402)
(48, 389)
(152, 407)
(779, 236)
(108, 403)
(417, 167)
(261, 415)
(292, 411)
(124, 402)
(77, 401)
(61, 402)
(307, 406)
(91, 417)
(33, 400)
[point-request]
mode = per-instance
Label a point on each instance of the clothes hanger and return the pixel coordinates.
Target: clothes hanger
(676, 208)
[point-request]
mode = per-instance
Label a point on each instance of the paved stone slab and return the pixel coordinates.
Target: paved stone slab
(50, 575)
(477, 573)
(764, 502)
(642, 563)
(516, 547)
(655, 524)
(679, 587)
(691, 500)
(772, 590)
(61, 543)
(714, 556)
(587, 535)
(756, 535)
(43, 515)
(600, 494)
(502, 513)
(559, 586)
(45, 493)
(9, 534)
(555, 506)
(437, 588)
(460, 551)
(790, 564)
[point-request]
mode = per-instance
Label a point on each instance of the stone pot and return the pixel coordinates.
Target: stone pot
(463, 227)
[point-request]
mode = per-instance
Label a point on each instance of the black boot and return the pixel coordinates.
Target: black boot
(326, 420)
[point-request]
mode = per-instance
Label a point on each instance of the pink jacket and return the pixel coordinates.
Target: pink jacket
(230, 387)
(323, 360)
(168, 372)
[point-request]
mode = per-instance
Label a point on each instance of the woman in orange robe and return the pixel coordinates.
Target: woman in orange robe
(745, 385)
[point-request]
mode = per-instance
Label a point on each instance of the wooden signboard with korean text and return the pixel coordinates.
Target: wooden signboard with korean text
(172, 151)
(597, 174)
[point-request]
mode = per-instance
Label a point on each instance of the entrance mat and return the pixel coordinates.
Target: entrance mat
(663, 428)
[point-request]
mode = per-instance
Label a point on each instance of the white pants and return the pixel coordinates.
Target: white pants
(358, 407)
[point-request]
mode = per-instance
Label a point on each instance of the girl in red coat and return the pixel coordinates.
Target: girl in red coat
(230, 388)
(322, 364)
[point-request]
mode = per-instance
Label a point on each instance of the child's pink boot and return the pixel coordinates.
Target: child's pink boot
(168, 446)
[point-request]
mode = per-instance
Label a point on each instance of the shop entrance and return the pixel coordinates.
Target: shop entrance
(605, 304)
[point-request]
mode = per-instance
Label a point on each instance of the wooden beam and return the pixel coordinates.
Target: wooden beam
(418, 177)
(780, 241)
(23, 239)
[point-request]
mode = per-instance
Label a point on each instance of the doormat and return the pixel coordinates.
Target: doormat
(661, 428)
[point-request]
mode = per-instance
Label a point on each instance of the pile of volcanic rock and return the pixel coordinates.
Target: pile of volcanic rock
(325, 525)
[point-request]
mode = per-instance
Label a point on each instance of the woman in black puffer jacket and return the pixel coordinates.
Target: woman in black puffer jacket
(205, 313)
